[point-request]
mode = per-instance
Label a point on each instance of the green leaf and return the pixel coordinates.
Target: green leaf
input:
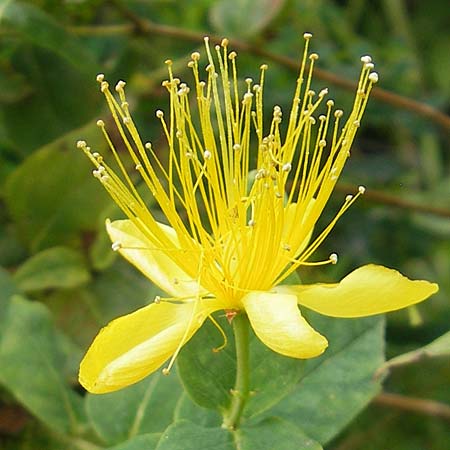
(57, 267)
(189, 436)
(208, 376)
(142, 442)
(65, 200)
(187, 409)
(274, 433)
(243, 18)
(340, 383)
(31, 365)
(7, 290)
(146, 407)
(40, 29)
(270, 433)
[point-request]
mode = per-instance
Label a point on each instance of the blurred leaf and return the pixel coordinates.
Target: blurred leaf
(47, 209)
(30, 365)
(7, 290)
(57, 267)
(40, 29)
(189, 436)
(337, 385)
(243, 18)
(146, 407)
(13, 86)
(142, 442)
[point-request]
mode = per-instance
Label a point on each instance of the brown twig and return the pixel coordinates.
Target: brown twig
(393, 200)
(413, 404)
(146, 27)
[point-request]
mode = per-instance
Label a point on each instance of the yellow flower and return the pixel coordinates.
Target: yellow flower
(232, 235)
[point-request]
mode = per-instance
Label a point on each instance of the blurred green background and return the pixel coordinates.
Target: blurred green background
(53, 248)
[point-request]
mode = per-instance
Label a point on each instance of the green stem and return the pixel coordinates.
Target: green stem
(241, 389)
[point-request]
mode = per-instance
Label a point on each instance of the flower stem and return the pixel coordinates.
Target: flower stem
(241, 389)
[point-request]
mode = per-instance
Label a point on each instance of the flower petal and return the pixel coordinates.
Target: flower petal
(133, 346)
(366, 291)
(154, 263)
(277, 321)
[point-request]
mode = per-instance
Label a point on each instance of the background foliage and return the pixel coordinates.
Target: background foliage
(60, 282)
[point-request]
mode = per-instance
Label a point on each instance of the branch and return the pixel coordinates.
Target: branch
(393, 200)
(146, 27)
(413, 404)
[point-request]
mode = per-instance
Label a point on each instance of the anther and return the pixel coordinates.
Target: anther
(81, 144)
(169, 62)
(373, 77)
(157, 299)
(104, 85)
(322, 118)
(195, 56)
(287, 247)
(330, 103)
(159, 114)
(307, 35)
(322, 143)
(148, 145)
(314, 56)
(207, 154)
(237, 147)
(361, 189)
(116, 246)
(166, 371)
(369, 66)
(366, 59)
(100, 123)
(338, 113)
(100, 77)
(287, 167)
(323, 92)
(138, 166)
(224, 42)
(333, 258)
(126, 120)
(232, 55)
(263, 67)
(251, 223)
(120, 85)
(356, 123)
(348, 197)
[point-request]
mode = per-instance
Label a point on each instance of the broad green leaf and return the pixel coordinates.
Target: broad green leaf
(438, 348)
(61, 100)
(142, 442)
(188, 410)
(53, 197)
(208, 376)
(273, 433)
(146, 407)
(189, 436)
(57, 267)
(40, 29)
(338, 385)
(31, 365)
(243, 18)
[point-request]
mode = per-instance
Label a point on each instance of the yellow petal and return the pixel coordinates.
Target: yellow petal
(366, 291)
(277, 321)
(133, 346)
(152, 262)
